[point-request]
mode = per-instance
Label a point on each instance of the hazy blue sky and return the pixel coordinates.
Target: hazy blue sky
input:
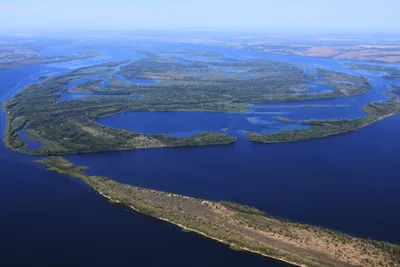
(134, 14)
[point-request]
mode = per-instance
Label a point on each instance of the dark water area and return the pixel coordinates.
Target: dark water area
(347, 182)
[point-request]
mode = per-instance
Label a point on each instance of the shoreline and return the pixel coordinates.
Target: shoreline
(198, 232)
(342, 127)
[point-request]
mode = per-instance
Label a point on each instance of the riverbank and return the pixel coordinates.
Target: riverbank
(241, 226)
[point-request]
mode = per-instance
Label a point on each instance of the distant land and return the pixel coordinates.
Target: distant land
(348, 47)
(362, 52)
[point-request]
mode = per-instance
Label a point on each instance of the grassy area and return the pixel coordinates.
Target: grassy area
(321, 128)
(241, 227)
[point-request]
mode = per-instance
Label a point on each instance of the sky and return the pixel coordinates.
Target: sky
(373, 15)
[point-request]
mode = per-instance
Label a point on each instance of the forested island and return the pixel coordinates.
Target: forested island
(322, 128)
(239, 226)
(67, 127)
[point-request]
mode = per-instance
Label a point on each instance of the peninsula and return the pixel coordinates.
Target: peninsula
(239, 226)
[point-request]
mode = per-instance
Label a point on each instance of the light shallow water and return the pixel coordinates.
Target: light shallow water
(347, 182)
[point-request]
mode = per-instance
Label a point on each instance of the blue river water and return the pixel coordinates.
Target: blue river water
(347, 182)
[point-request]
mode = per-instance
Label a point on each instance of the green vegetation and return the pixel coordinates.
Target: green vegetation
(249, 81)
(241, 227)
(321, 128)
(350, 85)
(69, 126)
(242, 208)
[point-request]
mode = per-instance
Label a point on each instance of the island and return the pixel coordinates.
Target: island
(239, 226)
(156, 83)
